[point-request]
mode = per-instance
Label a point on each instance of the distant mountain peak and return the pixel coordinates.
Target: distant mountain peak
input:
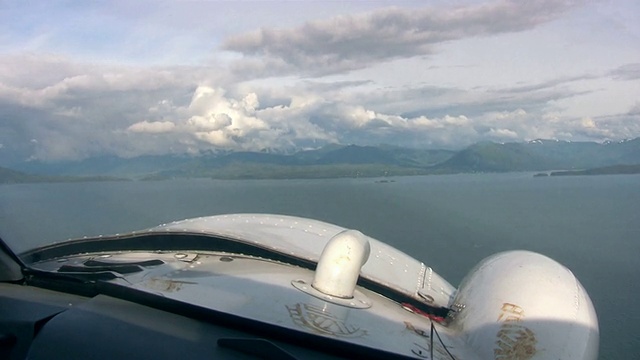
(547, 141)
(533, 155)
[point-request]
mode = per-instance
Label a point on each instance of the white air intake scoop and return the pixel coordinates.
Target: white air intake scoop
(338, 270)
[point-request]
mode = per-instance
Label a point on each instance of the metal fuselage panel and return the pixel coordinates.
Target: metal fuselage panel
(262, 290)
(306, 238)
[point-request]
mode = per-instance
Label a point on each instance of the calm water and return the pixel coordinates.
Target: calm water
(590, 224)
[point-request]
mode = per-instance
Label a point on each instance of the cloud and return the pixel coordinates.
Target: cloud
(221, 120)
(352, 42)
(549, 84)
(153, 127)
(75, 109)
(94, 110)
(613, 127)
(437, 101)
(626, 72)
(18, 70)
(288, 89)
(505, 134)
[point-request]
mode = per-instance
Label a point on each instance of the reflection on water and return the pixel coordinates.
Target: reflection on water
(590, 224)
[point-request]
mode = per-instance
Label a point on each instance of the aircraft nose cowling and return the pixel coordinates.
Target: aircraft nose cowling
(523, 305)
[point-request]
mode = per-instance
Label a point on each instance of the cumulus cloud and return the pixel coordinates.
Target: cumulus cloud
(115, 111)
(223, 121)
(74, 109)
(153, 127)
(613, 127)
(352, 42)
(505, 134)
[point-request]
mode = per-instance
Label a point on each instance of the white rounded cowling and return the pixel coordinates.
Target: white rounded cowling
(523, 305)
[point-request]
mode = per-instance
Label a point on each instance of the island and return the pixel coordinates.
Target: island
(606, 170)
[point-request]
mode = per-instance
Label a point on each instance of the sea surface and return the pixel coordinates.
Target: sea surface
(591, 224)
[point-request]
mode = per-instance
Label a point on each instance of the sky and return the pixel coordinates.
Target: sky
(80, 79)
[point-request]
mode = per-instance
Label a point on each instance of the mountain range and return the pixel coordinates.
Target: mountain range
(339, 161)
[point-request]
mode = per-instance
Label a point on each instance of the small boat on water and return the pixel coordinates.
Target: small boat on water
(282, 287)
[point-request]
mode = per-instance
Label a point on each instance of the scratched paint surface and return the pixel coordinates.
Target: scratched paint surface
(322, 321)
(514, 340)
